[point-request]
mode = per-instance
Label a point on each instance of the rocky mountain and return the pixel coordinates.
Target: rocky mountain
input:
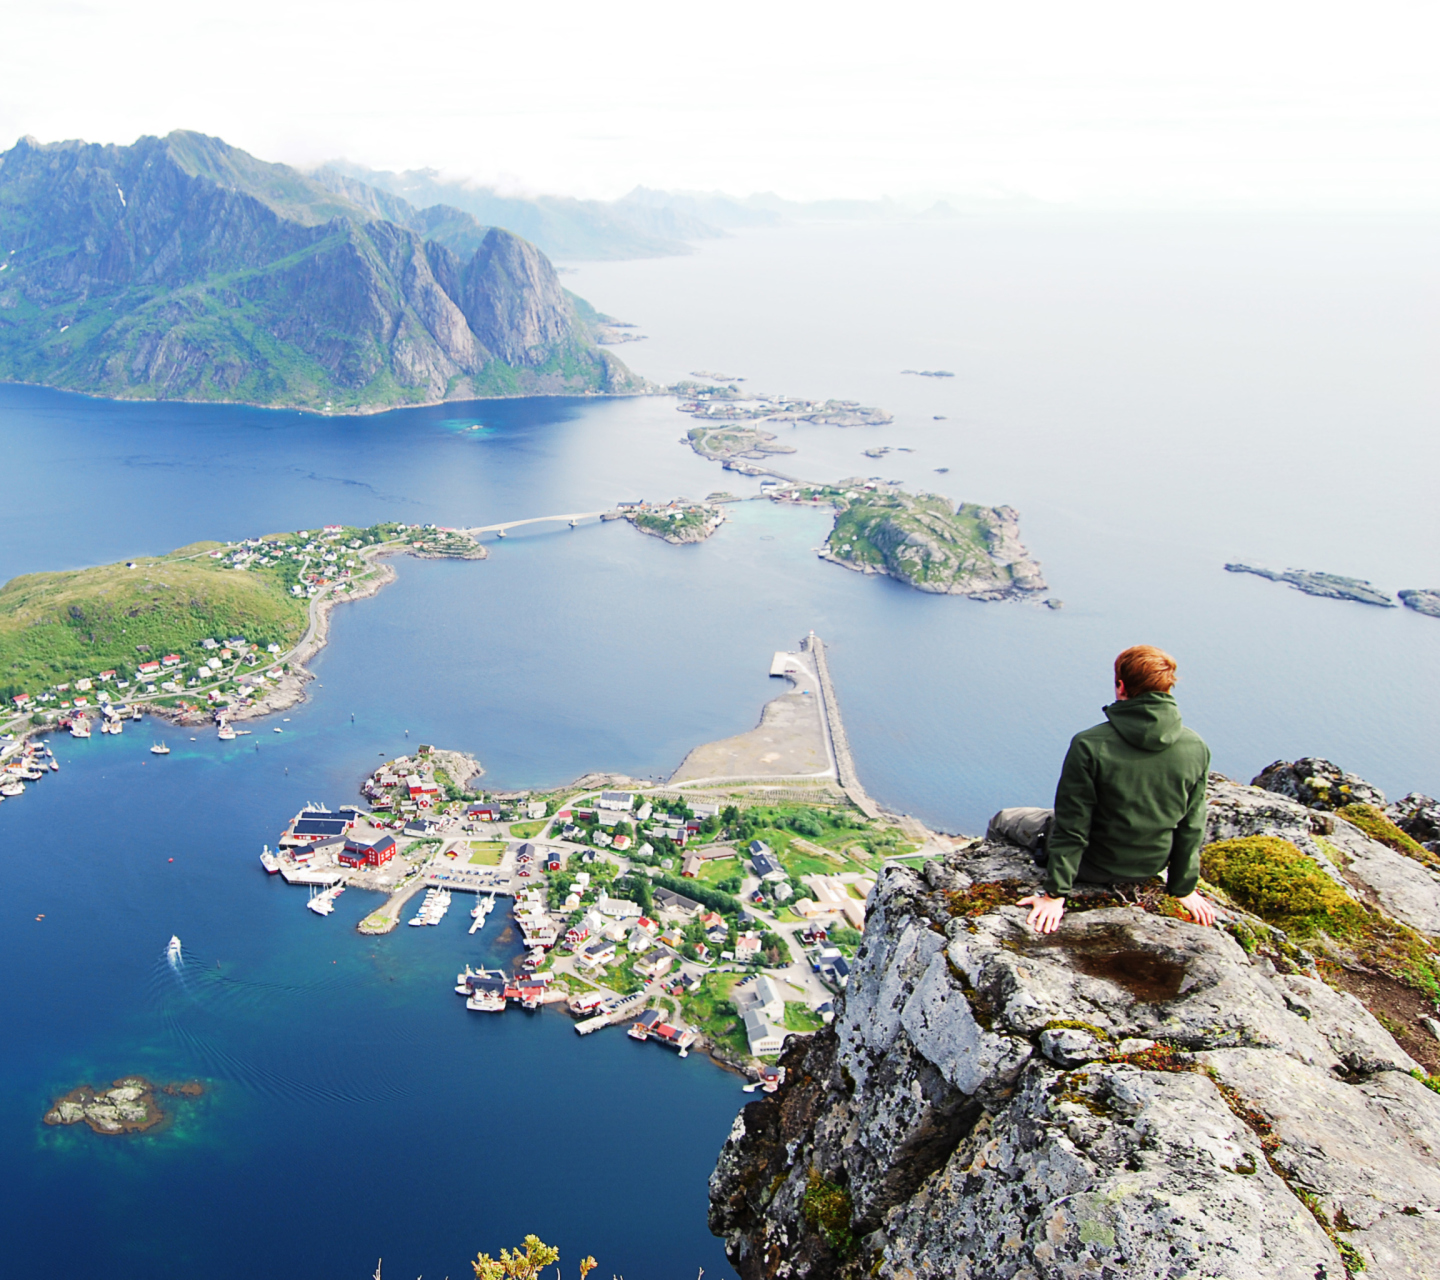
(183, 268)
(1134, 1095)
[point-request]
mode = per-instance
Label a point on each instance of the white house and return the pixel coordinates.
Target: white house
(615, 800)
(764, 1038)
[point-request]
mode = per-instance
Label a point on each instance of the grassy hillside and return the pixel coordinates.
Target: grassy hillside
(56, 628)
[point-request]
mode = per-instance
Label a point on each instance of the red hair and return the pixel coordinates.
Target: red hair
(1143, 668)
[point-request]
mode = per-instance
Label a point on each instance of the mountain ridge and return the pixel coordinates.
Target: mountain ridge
(184, 268)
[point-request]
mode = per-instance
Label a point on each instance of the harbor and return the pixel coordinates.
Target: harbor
(720, 909)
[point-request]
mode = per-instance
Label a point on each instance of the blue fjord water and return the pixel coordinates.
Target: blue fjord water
(1156, 398)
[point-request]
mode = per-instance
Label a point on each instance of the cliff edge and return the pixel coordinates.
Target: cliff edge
(1133, 1096)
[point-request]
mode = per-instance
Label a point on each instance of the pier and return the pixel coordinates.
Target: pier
(839, 744)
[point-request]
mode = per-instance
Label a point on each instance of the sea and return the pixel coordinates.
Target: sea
(1156, 396)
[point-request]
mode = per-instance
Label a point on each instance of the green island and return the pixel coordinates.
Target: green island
(923, 540)
(192, 624)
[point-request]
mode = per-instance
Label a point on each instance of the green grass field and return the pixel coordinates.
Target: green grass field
(526, 830)
(486, 853)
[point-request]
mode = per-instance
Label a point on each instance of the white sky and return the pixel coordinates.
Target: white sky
(1100, 102)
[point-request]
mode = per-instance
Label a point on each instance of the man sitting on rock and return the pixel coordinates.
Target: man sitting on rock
(1130, 803)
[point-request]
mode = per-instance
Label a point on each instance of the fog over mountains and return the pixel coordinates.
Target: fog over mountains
(645, 223)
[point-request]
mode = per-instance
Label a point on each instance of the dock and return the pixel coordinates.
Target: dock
(622, 1012)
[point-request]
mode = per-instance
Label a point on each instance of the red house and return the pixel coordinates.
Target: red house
(357, 853)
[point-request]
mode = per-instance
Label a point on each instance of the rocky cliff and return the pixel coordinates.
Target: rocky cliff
(1133, 1096)
(182, 268)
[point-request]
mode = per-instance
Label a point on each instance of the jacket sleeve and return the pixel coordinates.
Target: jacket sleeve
(1183, 873)
(1074, 809)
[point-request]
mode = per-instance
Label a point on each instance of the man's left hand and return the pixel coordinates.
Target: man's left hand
(1197, 908)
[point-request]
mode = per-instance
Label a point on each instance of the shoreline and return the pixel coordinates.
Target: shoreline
(365, 411)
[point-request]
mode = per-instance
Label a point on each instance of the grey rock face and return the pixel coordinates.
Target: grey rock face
(1426, 602)
(1418, 816)
(1133, 1096)
(1318, 784)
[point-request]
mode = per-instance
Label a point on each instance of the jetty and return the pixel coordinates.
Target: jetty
(835, 727)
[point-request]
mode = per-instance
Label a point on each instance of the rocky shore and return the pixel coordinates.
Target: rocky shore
(1426, 602)
(129, 1105)
(1330, 586)
(1135, 1095)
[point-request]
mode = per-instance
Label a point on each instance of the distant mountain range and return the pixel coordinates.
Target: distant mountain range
(643, 224)
(184, 268)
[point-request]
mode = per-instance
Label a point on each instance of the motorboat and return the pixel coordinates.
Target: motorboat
(226, 732)
(159, 749)
(172, 951)
(12, 788)
(54, 765)
(269, 861)
(135, 713)
(80, 727)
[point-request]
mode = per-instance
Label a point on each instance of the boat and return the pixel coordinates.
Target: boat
(269, 861)
(322, 904)
(172, 950)
(54, 765)
(159, 749)
(135, 713)
(486, 1002)
(80, 727)
(12, 788)
(226, 733)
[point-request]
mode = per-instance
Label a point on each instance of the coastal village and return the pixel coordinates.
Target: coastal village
(695, 923)
(720, 911)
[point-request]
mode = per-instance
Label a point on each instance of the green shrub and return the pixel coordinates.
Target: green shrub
(827, 1208)
(1280, 884)
(1377, 826)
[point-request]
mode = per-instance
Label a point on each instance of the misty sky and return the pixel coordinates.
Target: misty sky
(1300, 103)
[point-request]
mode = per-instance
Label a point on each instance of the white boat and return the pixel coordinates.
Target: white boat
(269, 861)
(135, 714)
(54, 765)
(172, 951)
(486, 1002)
(80, 727)
(159, 749)
(226, 733)
(322, 904)
(12, 788)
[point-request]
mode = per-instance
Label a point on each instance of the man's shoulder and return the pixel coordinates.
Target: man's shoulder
(1096, 733)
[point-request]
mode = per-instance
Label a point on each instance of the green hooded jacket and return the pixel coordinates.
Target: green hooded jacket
(1131, 799)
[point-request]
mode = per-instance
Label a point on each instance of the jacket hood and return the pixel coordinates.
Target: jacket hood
(1150, 722)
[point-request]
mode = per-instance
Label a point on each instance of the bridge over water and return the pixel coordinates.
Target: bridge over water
(571, 518)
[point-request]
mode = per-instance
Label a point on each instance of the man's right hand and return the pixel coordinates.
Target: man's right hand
(1045, 912)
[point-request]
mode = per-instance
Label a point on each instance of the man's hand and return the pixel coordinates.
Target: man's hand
(1045, 912)
(1198, 909)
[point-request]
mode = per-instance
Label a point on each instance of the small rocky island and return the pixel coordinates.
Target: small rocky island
(922, 540)
(1329, 585)
(722, 444)
(1426, 602)
(678, 521)
(129, 1105)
